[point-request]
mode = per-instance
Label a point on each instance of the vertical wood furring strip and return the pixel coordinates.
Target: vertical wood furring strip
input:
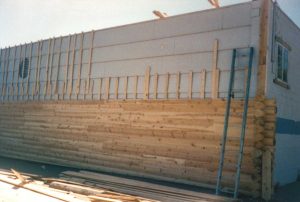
(34, 89)
(203, 82)
(22, 74)
(72, 67)
(135, 87)
(11, 91)
(18, 74)
(107, 87)
(29, 71)
(39, 72)
(7, 67)
(155, 85)
(15, 85)
(79, 67)
(48, 63)
(90, 62)
(58, 70)
(92, 88)
(116, 87)
(215, 71)
(4, 72)
(85, 84)
(66, 70)
(167, 85)
(190, 85)
(100, 88)
(178, 85)
(125, 87)
(146, 83)
(50, 83)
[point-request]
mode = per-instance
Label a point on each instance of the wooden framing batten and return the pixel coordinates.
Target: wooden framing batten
(29, 71)
(202, 81)
(90, 63)
(215, 71)
(263, 41)
(78, 83)
(66, 69)
(3, 54)
(34, 90)
(6, 75)
(57, 72)
(13, 73)
(19, 75)
(70, 87)
(146, 83)
(22, 56)
(47, 66)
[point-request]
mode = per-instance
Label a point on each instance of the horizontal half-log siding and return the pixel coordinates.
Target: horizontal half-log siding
(174, 140)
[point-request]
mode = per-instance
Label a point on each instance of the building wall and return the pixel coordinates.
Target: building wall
(287, 161)
(181, 43)
(174, 140)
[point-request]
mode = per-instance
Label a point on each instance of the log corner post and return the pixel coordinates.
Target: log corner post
(267, 187)
(263, 41)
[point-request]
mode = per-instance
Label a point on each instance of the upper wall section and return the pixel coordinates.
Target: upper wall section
(119, 62)
(287, 33)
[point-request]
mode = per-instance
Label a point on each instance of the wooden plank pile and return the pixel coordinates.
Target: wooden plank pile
(137, 187)
(59, 190)
(173, 140)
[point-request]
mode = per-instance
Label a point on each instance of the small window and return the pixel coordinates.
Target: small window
(23, 68)
(282, 63)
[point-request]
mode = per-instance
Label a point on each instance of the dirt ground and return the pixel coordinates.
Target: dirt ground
(288, 193)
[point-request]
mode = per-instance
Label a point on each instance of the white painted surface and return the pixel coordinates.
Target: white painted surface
(179, 43)
(287, 157)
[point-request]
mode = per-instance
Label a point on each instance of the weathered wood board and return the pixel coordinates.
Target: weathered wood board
(176, 140)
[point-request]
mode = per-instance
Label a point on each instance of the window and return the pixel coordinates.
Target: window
(23, 68)
(282, 63)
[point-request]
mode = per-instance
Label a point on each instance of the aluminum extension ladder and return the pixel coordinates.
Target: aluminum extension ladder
(226, 121)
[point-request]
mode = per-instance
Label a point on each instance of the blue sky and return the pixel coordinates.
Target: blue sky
(30, 20)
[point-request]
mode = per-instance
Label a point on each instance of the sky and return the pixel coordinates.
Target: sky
(23, 21)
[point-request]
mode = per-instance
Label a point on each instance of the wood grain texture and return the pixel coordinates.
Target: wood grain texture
(13, 74)
(215, 71)
(202, 81)
(29, 70)
(146, 83)
(263, 41)
(176, 140)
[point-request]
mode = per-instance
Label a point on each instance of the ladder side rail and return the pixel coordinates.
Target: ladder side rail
(244, 123)
(226, 120)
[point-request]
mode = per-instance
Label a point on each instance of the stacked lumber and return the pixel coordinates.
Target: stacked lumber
(174, 140)
(58, 190)
(138, 187)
